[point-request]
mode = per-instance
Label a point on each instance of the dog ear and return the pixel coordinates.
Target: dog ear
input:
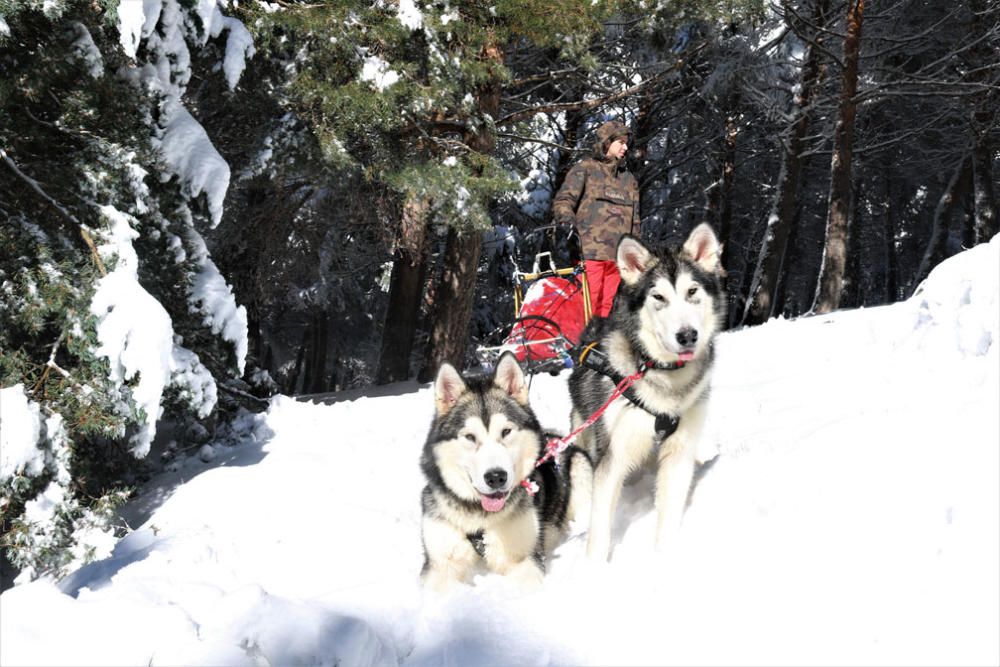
(448, 386)
(510, 378)
(634, 259)
(704, 248)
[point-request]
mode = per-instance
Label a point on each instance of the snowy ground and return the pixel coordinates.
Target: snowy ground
(852, 517)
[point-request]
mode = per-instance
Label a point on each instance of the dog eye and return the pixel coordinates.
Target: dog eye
(692, 291)
(504, 433)
(470, 437)
(659, 297)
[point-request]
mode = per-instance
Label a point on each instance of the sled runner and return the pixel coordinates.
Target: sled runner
(552, 307)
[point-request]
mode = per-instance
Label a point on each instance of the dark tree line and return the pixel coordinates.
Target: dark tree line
(840, 149)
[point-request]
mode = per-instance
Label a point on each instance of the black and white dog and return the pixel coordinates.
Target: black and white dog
(668, 310)
(479, 462)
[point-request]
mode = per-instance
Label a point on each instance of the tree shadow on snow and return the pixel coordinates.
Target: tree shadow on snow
(188, 464)
(375, 391)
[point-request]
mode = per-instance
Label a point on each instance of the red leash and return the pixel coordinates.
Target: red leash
(557, 446)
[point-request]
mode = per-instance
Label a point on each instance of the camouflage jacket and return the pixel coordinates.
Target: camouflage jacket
(602, 201)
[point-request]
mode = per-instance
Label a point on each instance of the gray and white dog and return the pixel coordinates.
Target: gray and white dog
(483, 443)
(667, 312)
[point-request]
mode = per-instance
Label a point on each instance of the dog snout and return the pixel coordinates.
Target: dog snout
(495, 478)
(687, 337)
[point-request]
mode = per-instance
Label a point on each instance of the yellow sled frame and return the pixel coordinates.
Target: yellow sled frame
(538, 273)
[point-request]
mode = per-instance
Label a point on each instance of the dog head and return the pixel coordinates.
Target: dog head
(675, 296)
(485, 438)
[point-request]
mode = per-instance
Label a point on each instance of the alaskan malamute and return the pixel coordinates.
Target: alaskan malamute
(479, 461)
(667, 312)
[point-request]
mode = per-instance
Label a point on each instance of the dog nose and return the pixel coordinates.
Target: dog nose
(495, 478)
(687, 337)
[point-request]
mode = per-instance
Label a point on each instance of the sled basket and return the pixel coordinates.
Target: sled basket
(552, 307)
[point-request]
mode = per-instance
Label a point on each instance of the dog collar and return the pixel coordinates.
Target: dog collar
(594, 358)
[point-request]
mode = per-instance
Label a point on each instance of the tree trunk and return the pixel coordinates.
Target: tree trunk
(571, 135)
(455, 294)
(957, 188)
(720, 200)
(983, 58)
(891, 249)
(760, 299)
(453, 303)
(405, 291)
(321, 341)
(831, 273)
(984, 197)
(855, 276)
(291, 384)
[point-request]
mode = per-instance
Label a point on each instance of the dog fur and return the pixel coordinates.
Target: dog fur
(669, 307)
(484, 440)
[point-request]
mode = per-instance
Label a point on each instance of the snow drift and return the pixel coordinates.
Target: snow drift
(852, 515)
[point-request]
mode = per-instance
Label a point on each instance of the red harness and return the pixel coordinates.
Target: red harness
(557, 446)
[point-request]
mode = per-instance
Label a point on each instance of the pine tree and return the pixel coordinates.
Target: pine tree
(112, 310)
(399, 93)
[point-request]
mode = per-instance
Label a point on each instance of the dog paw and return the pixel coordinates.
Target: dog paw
(526, 577)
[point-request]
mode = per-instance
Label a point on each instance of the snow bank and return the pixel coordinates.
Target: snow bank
(958, 306)
(20, 427)
(852, 516)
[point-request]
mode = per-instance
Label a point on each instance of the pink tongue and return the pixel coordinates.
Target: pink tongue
(686, 356)
(492, 504)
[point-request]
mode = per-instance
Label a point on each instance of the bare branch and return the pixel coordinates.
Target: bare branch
(33, 184)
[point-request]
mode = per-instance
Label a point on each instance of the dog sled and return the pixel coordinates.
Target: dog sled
(552, 307)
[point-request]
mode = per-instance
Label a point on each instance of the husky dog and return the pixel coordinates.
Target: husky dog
(478, 460)
(667, 312)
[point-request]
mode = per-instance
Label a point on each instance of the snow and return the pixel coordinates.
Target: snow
(131, 18)
(134, 330)
(86, 50)
(239, 47)
(852, 516)
(214, 299)
(20, 427)
(184, 144)
(190, 154)
(136, 333)
(378, 73)
(4, 28)
(409, 15)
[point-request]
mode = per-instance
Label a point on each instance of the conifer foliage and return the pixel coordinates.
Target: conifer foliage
(112, 309)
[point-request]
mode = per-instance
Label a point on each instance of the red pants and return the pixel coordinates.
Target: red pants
(602, 279)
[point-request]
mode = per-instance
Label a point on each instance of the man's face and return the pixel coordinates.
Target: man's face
(618, 148)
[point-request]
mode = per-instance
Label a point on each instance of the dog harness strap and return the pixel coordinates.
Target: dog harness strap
(594, 358)
(665, 426)
(478, 541)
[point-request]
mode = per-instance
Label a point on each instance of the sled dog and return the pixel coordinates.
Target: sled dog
(483, 443)
(667, 311)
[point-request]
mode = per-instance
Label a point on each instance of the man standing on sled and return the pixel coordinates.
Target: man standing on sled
(600, 198)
